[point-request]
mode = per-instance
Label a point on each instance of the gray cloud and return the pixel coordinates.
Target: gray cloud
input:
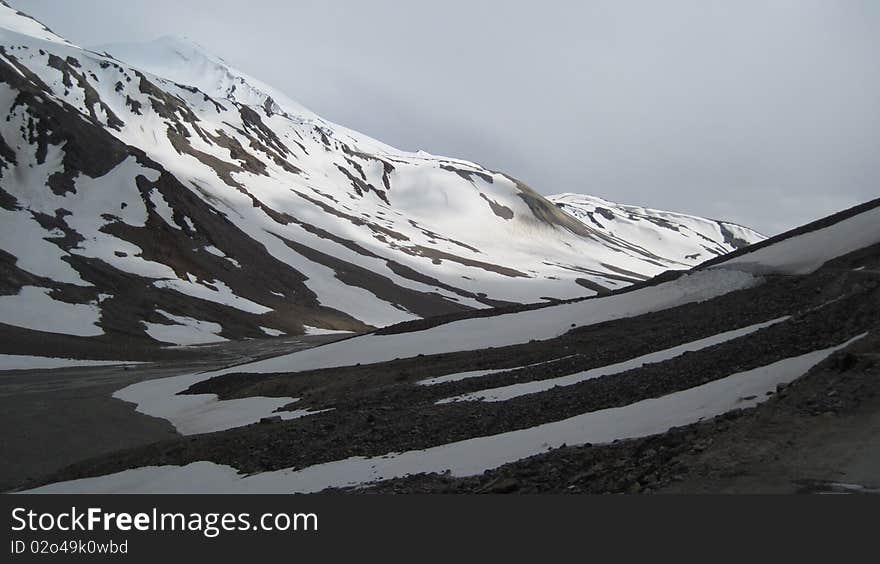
(761, 112)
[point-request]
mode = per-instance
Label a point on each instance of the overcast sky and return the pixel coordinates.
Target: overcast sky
(762, 112)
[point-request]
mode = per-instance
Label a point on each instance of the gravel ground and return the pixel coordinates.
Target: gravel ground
(58, 417)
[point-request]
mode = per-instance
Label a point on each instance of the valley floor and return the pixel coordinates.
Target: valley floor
(54, 418)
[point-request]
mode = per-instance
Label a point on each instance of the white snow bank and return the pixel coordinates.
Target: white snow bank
(472, 456)
(201, 413)
(319, 331)
(504, 393)
(33, 308)
(25, 239)
(185, 331)
(477, 373)
(223, 294)
(27, 362)
(805, 253)
(462, 376)
(162, 208)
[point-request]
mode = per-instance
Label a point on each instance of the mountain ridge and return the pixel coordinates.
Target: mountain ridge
(150, 211)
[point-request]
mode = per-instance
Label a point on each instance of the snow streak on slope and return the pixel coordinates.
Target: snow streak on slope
(203, 413)
(525, 388)
(456, 377)
(472, 456)
(184, 330)
(178, 183)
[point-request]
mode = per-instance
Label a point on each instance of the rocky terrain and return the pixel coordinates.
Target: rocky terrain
(819, 434)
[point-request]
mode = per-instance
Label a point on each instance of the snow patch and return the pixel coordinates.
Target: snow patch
(26, 362)
(33, 308)
(202, 413)
(162, 208)
(478, 373)
(185, 331)
(223, 294)
(505, 393)
(320, 331)
(25, 239)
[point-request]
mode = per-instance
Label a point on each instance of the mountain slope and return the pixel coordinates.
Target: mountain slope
(137, 210)
(684, 238)
(610, 393)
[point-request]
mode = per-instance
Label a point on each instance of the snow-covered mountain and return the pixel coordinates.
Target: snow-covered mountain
(690, 239)
(153, 194)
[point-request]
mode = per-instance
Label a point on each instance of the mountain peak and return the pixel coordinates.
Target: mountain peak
(187, 50)
(19, 22)
(185, 61)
